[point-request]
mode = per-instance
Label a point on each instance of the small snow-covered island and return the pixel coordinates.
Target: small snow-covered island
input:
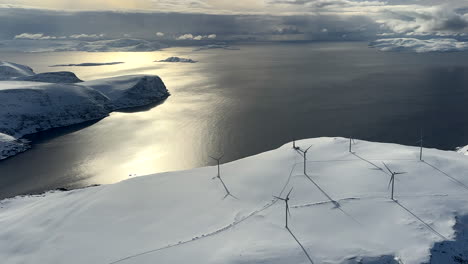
(36, 102)
(375, 203)
(177, 59)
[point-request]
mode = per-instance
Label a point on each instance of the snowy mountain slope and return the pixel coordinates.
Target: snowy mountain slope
(419, 45)
(52, 77)
(124, 44)
(10, 70)
(341, 211)
(17, 72)
(10, 146)
(131, 90)
(463, 150)
(30, 107)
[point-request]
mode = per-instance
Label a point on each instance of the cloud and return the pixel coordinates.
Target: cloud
(272, 20)
(198, 37)
(41, 36)
(185, 37)
(33, 36)
(420, 46)
(86, 36)
(423, 21)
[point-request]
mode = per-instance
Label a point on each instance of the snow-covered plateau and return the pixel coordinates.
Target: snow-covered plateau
(50, 100)
(420, 45)
(341, 212)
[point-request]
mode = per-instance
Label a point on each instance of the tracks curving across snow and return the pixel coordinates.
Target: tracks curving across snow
(213, 233)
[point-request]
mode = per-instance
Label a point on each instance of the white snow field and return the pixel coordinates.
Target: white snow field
(51, 77)
(29, 107)
(10, 70)
(131, 90)
(463, 150)
(50, 100)
(340, 213)
(10, 146)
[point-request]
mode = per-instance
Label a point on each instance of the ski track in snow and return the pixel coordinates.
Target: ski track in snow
(233, 224)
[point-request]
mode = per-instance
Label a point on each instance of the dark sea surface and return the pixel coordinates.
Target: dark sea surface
(243, 102)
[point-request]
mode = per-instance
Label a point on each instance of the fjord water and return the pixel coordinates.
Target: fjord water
(243, 102)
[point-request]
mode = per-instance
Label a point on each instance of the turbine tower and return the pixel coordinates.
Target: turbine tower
(219, 176)
(392, 179)
(304, 152)
(286, 201)
(351, 141)
(420, 141)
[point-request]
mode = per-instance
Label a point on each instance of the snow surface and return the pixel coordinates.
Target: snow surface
(18, 72)
(52, 77)
(419, 45)
(177, 59)
(340, 212)
(36, 102)
(10, 146)
(10, 70)
(30, 107)
(131, 90)
(463, 150)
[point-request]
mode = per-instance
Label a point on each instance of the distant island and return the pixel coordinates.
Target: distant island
(87, 64)
(177, 59)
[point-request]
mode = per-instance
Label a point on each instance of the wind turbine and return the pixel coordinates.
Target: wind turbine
(305, 158)
(286, 201)
(421, 146)
(351, 140)
(294, 144)
(219, 176)
(392, 179)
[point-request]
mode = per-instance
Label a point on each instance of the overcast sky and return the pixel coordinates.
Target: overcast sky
(189, 20)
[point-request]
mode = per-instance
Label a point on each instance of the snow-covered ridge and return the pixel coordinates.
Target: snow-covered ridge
(50, 100)
(33, 106)
(18, 72)
(341, 212)
(51, 77)
(10, 70)
(463, 150)
(131, 90)
(57, 45)
(10, 146)
(420, 45)
(127, 45)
